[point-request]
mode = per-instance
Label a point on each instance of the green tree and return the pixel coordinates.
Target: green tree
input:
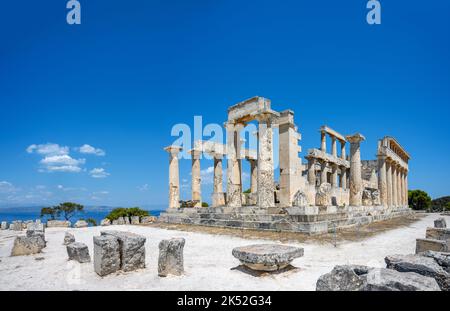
(447, 206)
(91, 221)
(126, 212)
(419, 200)
(49, 212)
(68, 209)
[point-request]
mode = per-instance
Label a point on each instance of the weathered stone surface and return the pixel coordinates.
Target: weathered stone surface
(376, 199)
(267, 257)
(115, 222)
(135, 220)
(120, 221)
(68, 238)
(81, 224)
(422, 265)
(36, 226)
(16, 225)
(79, 252)
(105, 222)
(4, 225)
(37, 232)
(300, 199)
(126, 220)
(438, 234)
(442, 259)
(362, 278)
(171, 257)
(58, 223)
(148, 219)
(106, 254)
(24, 245)
(423, 245)
(323, 195)
(367, 197)
(440, 223)
(132, 249)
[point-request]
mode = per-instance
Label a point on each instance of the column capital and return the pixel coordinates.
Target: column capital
(195, 153)
(174, 150)
(355, 138)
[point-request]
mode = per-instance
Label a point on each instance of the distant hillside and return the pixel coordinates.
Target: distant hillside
(440, 203)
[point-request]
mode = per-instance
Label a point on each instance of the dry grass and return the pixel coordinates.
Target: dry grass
(348, 234)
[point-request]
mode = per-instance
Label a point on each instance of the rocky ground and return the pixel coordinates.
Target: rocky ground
(208, 262)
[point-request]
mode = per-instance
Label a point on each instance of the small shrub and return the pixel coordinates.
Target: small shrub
(204, 204)
(126, 212)
(91, 221)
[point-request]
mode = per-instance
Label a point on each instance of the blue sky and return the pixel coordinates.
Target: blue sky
(119, 82)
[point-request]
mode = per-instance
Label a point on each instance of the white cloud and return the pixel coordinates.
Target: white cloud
(88, 149)
(144, 187)
(207, 175)
(101, 193)
(99, 173)
(7, 187)
(60, 160)
(48, 149)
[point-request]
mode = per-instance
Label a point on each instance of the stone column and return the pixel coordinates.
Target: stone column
(334, 175)
(394, 184)
(382, 180)
(323, 172)
(323, 141)
(389, 183)
(343, 155)
(218, 198)
(174, 176)
(196, 178)
(344, 178)
(254, 176)
(234, 187)
(406, 188)
(266, 184)
(312, 171)
(356, 186)
(333, 146)
(399, 186)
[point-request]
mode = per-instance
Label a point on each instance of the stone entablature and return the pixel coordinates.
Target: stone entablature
(329, 158)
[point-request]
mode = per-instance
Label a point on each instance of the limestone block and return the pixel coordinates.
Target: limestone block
(323, 195)
(423, 245)
(4, 225)
(106, 254)
(105, 222)
(16, 225)
(121, 221)
(68, 238)
(135, 220)
(148, 219)
(422, 265)
(267, 257)
(58, 223)
(79, 252)
(367, 198)
(25, 224)
(24, 245)
(362, 278)
(126, 220)
(441, 258)
(440, 223)
(376, 200)
(115, 222)
(36, 226)
(132, 249)
(171, 257)
(81, 224)
(438, 234)
(300, 199)
(39, 234)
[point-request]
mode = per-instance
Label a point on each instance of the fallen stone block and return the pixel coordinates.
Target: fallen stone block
(68, 238)
(323, 195)
(106, 254)
(442, 259)
(440, 223)
(120, 221)
(4, 225)
(105, 222)
(24, 245)
(267, 257)
(362, 278)
(422, 265)
(126, 220)
(16, 225)
(115, 222)
(423, 245)
(148, 219)
(171, 257)
(132, 249)
(81, 224)
(58, 224)
(79, 252)
(438, 234)
(135, 220)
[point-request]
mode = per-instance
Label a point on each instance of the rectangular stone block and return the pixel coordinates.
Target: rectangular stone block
(438, 234)
(58, 224)
(132, 249)
(106, 254)
(423, 245)
(79, 252)
(135, 220)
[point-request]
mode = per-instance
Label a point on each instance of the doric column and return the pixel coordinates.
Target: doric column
(382, 180)
(343, 155)
(323, 172)
(406, 188)
(174, 176)
(394, 184)
(334, 175)
(323, 141)
(333, 146)
(218, 198)
(253, 176)
(234, 187)
(356, 186)
(196, 178)
(266, 184)
(390, 200)
(399, 186)
(312, 171)
(343, 177)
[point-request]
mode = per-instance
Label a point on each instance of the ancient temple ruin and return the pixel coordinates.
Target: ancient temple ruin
(332, 190)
